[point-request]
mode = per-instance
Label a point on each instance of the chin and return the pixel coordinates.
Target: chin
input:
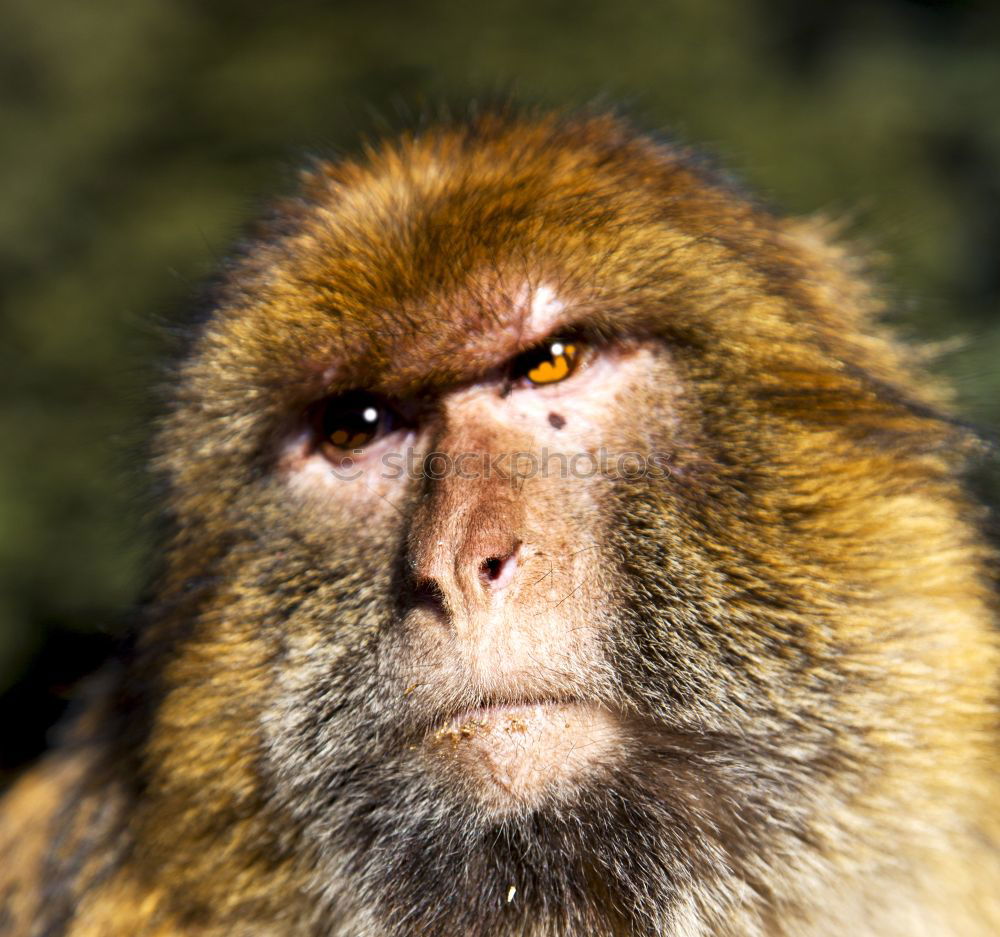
(510, 758)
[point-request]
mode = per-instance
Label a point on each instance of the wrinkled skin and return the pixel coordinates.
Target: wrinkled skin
(749, 689)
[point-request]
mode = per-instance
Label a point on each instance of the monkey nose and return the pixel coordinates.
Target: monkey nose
(498, 571)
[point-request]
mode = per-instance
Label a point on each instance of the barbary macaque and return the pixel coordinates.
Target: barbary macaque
(555, 545)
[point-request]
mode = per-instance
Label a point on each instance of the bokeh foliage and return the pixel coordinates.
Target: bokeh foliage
(137, 138)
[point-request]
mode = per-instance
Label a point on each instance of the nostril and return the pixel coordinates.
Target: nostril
(497, 572)
(426, 593)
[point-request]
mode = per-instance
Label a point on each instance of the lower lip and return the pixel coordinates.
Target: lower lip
(519, 754)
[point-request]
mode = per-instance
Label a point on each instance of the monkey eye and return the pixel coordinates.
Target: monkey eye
(549, 363)
(352, 420)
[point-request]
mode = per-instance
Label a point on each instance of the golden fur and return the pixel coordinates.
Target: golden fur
(802, 619)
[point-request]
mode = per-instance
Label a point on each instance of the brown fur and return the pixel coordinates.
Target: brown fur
(796, 626)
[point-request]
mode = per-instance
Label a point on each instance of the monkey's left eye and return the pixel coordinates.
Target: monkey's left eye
(352, 421)
(549, 363)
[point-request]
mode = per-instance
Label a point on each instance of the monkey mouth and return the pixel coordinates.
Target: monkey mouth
(518, 753)
(486, 712)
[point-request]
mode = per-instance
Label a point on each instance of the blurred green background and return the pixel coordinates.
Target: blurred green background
(136, 138)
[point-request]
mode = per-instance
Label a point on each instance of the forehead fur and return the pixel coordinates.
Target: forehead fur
(428, 254)
(430, 259)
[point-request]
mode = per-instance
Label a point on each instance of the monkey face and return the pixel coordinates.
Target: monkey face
(495, 491)
(537, 508)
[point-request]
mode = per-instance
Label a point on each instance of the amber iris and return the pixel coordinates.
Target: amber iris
(352, 421)
(549, 363)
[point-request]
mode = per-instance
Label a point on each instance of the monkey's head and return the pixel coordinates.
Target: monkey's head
(555, 539)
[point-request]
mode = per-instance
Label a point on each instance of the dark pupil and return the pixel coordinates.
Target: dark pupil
(351, 423)
(530, 360)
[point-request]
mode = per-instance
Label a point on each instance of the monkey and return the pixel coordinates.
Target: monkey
(556, 543)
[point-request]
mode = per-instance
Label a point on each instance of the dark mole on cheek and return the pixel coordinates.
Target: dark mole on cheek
(557, 421)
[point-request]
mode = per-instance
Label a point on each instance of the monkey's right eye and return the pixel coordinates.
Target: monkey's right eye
(352, 421)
